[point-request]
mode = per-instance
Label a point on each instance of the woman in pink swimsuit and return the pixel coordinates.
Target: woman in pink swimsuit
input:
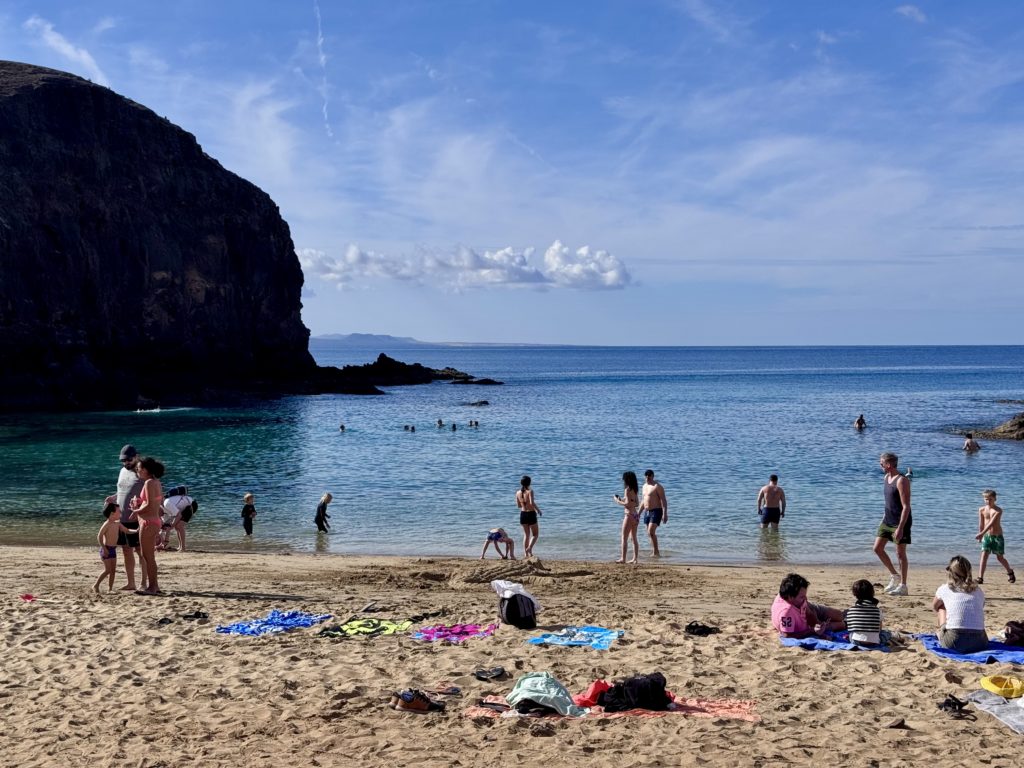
(147, 506)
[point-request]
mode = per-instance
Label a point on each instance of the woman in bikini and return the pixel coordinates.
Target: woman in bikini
(147, 507)
(631, 518)
(528, 514)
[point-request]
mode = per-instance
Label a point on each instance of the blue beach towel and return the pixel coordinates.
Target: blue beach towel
(996, 653)
(275, 622)
(596, 637)
(836, 641)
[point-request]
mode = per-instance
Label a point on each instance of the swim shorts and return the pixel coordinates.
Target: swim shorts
(770, 515)
(129, 539)
(494, 536)
(993, 544)
(652, 517)
(108, 553)
(527, 518)
(888, 531)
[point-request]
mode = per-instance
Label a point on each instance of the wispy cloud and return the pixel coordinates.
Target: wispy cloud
(322, 58)
(707, 17)
(56, 42)
(912, 12)
(465, 268)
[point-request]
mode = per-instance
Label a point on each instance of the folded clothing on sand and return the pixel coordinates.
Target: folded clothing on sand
(833, 641)
(996, 653)
(273, 623)
(455, 633)
(596, 637)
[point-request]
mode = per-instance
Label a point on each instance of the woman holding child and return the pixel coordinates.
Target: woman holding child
(959, 607)
(147, 507)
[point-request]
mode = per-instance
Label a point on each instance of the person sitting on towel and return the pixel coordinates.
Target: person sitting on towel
(793, 615)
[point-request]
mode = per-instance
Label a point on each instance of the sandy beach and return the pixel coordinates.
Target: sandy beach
(99, 681)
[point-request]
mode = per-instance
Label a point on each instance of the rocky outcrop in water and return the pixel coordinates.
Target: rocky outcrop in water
(133, 267)
(1008, 430)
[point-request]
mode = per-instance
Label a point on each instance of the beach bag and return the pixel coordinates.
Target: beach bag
(178, 490)
(1014, 633)
(518, 611)
(190, 510)
(638, 692)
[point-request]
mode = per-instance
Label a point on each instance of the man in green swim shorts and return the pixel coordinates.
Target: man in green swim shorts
(990, 534)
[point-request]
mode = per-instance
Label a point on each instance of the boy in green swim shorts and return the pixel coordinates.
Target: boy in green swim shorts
(990, 534)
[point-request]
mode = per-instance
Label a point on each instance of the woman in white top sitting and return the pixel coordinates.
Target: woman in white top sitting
(959, 606)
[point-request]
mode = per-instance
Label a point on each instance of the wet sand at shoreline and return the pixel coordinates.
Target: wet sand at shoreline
(98, 680)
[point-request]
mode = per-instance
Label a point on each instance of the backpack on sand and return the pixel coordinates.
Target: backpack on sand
(1014, 633)
(518, 611)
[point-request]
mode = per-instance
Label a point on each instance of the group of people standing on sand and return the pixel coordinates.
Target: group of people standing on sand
(132, 522)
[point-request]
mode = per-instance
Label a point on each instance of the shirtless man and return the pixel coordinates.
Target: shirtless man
(970, 444)
(859, 423)
(990, 534)
(771, 503)
(895, 524)
(655, 508)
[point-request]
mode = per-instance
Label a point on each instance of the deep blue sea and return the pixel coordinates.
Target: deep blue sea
(712, 422)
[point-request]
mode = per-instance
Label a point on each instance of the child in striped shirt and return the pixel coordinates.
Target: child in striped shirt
(864, 618)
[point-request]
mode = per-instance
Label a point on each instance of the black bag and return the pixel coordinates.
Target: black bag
(518, 611)
(638, 692)
(191, 509)
(1014, 632)
(178, 490)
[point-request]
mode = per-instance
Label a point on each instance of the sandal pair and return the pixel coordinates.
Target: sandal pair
(955, 708)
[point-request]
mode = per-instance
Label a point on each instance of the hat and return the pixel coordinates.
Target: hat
(1007, 686)
(128, 452)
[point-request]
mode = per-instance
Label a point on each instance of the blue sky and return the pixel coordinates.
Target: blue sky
(632, 172)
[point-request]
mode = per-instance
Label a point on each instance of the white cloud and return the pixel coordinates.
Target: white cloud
(465, 268)
(322, 59)
(55, 41)
(913, 13)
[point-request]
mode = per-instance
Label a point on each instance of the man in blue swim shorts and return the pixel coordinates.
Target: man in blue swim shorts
(654, 505)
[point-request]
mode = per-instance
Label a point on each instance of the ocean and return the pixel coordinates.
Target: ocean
(712, 422)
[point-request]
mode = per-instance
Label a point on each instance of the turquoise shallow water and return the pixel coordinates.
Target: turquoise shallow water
(712, 422)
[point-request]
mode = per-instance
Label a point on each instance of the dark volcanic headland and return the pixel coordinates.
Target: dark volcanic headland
(135, 269)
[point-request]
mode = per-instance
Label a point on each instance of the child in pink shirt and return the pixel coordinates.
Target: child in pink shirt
(794, 616)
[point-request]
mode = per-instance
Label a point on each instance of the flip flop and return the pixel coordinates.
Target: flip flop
(955, 708)
(195, 615)
(489, 674)
(165, 620)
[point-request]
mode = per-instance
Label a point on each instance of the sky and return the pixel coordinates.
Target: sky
(652, 172)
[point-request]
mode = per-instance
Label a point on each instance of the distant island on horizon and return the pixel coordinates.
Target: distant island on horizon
(383, 340)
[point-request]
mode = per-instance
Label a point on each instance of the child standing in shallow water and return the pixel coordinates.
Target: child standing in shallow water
(248, 512)
(107, 539)
(321, 514)
(990, 534)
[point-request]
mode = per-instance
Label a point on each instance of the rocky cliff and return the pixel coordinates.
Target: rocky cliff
(132, 264)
